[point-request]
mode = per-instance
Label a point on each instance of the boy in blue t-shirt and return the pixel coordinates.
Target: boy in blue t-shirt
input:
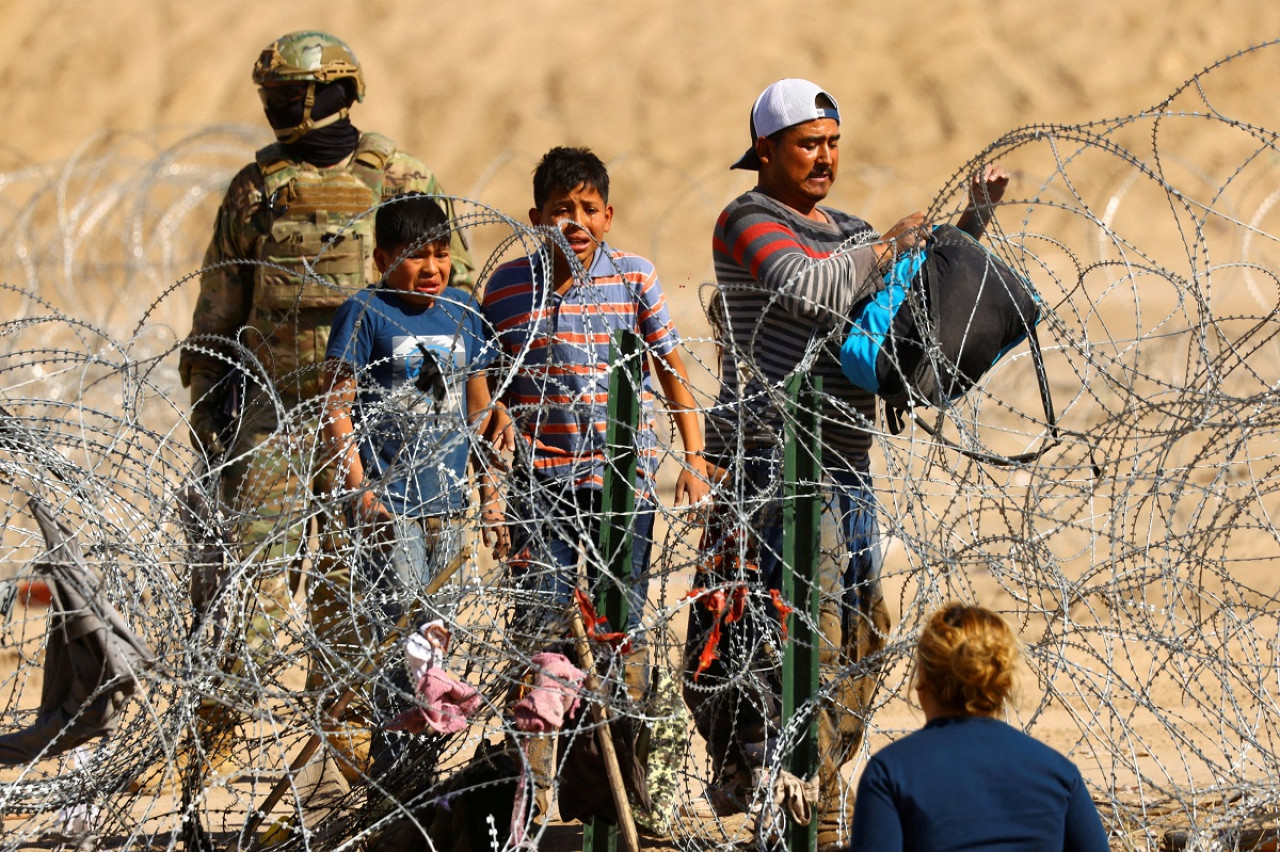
(408, 396)
(407, 402)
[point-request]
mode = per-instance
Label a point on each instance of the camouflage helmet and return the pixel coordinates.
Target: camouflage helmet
(308, 56)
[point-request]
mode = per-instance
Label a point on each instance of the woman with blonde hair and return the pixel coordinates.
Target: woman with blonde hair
(969, 780)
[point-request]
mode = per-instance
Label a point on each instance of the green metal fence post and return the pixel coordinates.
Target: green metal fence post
(618, 504)
(619, 498)
(801, 550)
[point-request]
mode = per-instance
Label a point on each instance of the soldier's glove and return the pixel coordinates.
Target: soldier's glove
(206, 435)
(208, 416)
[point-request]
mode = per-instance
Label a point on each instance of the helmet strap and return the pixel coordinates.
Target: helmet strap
(289, 135)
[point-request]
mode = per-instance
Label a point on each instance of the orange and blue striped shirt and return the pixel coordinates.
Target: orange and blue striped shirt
(555, 353)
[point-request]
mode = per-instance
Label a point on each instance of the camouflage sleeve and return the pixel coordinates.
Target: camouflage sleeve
(226, 280)
(408, 174)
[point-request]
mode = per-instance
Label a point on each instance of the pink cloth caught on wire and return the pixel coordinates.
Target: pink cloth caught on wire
(552, 699)
(444, 704)
(554, 695)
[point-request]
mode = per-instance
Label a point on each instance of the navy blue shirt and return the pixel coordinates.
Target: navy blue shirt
(973, 783)
(412, 446)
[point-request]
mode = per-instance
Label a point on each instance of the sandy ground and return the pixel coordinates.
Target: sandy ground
(660, 89)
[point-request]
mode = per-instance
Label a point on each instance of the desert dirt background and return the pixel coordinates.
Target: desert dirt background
(479, 90)
(660, 89)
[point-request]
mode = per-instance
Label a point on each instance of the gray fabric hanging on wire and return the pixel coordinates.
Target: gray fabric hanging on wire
(92, 658)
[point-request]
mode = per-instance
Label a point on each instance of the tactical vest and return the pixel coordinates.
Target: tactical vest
(316, 253)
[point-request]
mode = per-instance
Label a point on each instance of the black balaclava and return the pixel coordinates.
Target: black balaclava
(305, 133)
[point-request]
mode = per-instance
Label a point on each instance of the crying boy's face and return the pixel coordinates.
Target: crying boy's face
(582, 214)
(420, 276)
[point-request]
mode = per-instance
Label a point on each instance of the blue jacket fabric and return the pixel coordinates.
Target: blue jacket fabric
(973, 783)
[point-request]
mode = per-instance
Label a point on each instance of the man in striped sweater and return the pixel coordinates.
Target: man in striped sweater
(788, 271)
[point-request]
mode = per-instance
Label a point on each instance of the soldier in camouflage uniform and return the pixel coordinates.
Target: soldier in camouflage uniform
(292, 240)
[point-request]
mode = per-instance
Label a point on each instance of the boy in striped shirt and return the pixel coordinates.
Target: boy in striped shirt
(554, 315)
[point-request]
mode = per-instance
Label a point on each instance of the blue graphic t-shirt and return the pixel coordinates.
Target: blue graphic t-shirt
(412, 445)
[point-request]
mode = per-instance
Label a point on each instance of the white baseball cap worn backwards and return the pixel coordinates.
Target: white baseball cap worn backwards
(782, 104)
